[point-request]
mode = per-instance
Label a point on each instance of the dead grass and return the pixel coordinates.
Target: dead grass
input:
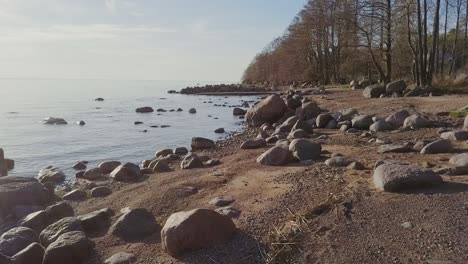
(450, 84)
(462, 113)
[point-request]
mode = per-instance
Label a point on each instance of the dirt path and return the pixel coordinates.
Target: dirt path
(311, 213)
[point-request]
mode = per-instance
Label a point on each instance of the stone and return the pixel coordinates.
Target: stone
(21, 191)
(75, 195)
(221, 201)
(332, 124)
(228, 211)
(181, 151)
(407, 225)
(416, 121)
(303, 149)
(338, 161)
(420, 144)
(362, 122)
(455, 135)
(121, 258)
(192, 111)
(238, 111)
(212, 162)
(108, 166)
(81, 123)
(355, 166)
(459, 160)
(308, 110)
(101, 191)
(272, 139)
(299, 133)
(196, 229)
(269, 110)
(145, 109)
(164, 152)
(396, 87)
(303, 125)
(134, 224)
(52, 232)
(127, 172)
(202, 143)
(32, 254)
(275, 156)
(17, 239)
(393, 148)
(394, 177)
(96, 220)
(380, 126)
(293, 103)
(160, 166)
(220, 130)
(92, 174)
(36, 221)
(263, 134)
(191, 161)
(59, 211)
(373, 91)
(322, 120)
(54, 121)
(438, 146)
(51, 174)
(79, 166)
(348, 114)
(70, 248)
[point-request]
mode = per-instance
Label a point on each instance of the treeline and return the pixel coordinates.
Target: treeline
(336, 41)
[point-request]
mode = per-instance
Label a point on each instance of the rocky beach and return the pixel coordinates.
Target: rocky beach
(317, 175)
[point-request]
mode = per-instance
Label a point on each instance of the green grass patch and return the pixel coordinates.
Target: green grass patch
(458, 113)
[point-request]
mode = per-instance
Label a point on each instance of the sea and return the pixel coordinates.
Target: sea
(110, 132)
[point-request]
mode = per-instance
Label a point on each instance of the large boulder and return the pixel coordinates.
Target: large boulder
(397, 119)
(160, 166)
(300, 124)
(75, 195)
(18, 191)
(299, 133)
(308, 110)
(253, 143)
(32, 254)
(96, 220)
(416, 121)
(276, 156)
(268, 110)
(127, 172)
(108, 166)
(164, 152)
(17, 239)
(51, 233)
(380, 125)
(303, 149)
(191, 161)
(51, 174)
(396, 87)
(394, 177)
(134, 224)
(455, 135)
(70, 248)
(202, 143)
(362, 122)
(196, 229)
(460, 160)
(438, 146)
(145, 109)
(238, 111)
(36, 221)
(59, 211)
(373, 91)
(322, 120)
(92, 174)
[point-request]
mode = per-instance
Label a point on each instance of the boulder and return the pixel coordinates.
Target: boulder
(322, 120)
(160, 166)
(134, 224)
(455, 135)
(36, 221)
(459, 160)
(145, 109)
(308, 110)
(362, 122)
(420, 145)
(299, 133)
(303, 149)
(221, 201)
(338, 161)
(303, 125)
(396, 87)
(348, 114)
(121, 258)
(253, 143)
(397, 119)
(192, 111)
(52, 232)
(394, 177)
(18, 191)
(70, 248)
(380, 126)
(127, 172)
(220, 130)
(17, 239)
(276, 156)
(101, 191)
(438, 146)
(96, 220)
(164, 152)
(293, 103)
(228, 211)
(92, 174)
(373, 91)
(393, 148)
(332, 124)
(32, 254)
(20, 211)
(416, 121)
(54, 121)
(51, 174)
(191, 161)
(196, 229)
(79, 166)
(108, 166)
(238, 111)
(355, 165)
(181, 151)
(202, 143)
(59, 211)
(75, 195)
(268, 110)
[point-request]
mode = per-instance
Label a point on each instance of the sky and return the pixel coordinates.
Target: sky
(187, 40)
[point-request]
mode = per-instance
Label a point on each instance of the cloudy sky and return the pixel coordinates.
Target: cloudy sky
(137, 39)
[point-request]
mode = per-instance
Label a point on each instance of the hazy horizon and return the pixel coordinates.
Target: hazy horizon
(205, 40)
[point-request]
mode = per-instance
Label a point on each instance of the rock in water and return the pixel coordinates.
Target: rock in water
(303, 149)
(181, 151)
(397, 119)
(92, 174)
(276, 156)
(459, 160)
(253, 143)
(268, 110)
(134, 224)
(70, 248)
(202, 143)
(438, 146)
(164, 152)
(196, 229)
(373, 91)
(51, 174)
(191, 161)
(238, 111)
(396, 87)
(108, 166)
(145, 109)
(220, 130)
(127, 172)
(192, 111)
(395, 177)
(362, 122)
(54, 121)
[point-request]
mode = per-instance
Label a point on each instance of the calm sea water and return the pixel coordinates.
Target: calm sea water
(109, 133)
